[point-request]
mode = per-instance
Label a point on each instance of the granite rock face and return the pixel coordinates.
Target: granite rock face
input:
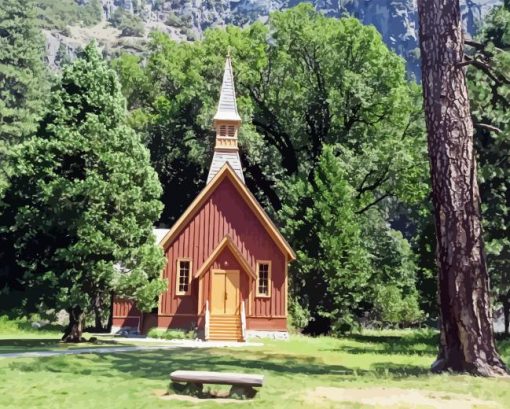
(396, 20)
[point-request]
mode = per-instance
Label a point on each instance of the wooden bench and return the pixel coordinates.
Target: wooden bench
(242, 384)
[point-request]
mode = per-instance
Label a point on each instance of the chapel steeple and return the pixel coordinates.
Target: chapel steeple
(227, 123)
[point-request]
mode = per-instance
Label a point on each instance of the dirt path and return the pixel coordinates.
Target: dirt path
(397, 398)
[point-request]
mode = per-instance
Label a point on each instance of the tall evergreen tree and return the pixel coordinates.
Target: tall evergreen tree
(83, 198)
(467, 338)
(23, 76)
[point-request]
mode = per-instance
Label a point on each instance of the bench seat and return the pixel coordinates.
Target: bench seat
(217, 378)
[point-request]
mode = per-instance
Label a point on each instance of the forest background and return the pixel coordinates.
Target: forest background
(333, 144)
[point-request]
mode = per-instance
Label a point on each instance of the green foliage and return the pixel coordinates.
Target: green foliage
(332, 269)
(61, 13)
(169, 334)
(308, 83)
(129, 24)
(490, 100)
(299, 317)
(23, 76)
(82, 198)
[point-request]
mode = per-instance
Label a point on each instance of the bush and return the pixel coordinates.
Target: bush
(299, 317)
(169, 334)
(173, 20)
(129, 24)
(10, 325)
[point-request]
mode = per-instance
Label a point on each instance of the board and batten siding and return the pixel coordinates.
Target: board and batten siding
(225, 213)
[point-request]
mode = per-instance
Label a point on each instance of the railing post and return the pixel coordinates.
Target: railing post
(243, 321)
(207, 319)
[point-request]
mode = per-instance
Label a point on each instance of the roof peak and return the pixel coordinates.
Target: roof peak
(227, 106)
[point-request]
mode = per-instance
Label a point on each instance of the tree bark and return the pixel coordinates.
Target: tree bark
(74, 330)
(98, 313)
(467, 336)
(506, 314)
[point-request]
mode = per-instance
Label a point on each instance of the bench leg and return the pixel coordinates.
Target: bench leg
(190, 389)
(242, 392)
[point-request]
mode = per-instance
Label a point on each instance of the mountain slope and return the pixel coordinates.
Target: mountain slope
(396, 20)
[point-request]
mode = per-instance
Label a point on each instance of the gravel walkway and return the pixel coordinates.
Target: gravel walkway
(108, 350)
(112, 350)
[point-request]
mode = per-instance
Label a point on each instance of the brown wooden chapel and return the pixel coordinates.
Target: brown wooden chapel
(226, 260)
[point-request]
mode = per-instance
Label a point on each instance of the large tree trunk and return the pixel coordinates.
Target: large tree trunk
(74, 330)
(467, 337)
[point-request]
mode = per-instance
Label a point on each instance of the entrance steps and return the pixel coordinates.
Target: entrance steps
(225, 328)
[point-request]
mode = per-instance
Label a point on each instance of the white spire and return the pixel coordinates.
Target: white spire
(227, 107)
(227, 123)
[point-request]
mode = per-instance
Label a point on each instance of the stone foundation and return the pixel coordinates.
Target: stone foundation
(254, 334)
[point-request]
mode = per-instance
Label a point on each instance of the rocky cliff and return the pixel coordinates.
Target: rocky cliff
(396, 20)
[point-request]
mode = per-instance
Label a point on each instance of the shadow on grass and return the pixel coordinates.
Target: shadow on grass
(27, 345)
(159, 364)
(419, 343)
(17, 345)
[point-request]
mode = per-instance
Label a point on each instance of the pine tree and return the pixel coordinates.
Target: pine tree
(23, 76)
(467, 338)
(83, 198)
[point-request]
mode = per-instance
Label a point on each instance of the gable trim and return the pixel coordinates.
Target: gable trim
(226, 242)
(251, 201)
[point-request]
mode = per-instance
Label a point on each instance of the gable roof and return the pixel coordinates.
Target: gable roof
(227, 172)
(226, 243)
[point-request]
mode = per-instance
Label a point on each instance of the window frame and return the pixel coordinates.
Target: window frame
(178, 276)
(269, 281)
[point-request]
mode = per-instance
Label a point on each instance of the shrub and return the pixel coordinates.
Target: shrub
(169, 334)
(173, 20)
(299, 316)
(129, 24)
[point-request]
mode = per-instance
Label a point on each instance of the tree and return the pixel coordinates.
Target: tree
(23, 76)
(489, 89)
(83, 198)
(304, 82)
(467, 339)
(332, 271)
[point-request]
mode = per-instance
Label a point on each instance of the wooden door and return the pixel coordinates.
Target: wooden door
(225, 292)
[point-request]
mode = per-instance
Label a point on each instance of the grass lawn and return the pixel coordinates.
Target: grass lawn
(292, 369)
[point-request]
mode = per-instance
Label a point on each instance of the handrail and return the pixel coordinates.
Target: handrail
(243, 321)
(207, 319)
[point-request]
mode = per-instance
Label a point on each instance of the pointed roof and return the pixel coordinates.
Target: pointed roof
(227, 242)
(227, 172)
(219, 160)
(227, 107)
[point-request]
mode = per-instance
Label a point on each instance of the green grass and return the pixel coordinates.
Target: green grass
(292, 368)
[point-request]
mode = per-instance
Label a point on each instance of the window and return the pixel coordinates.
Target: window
(183, 277)
(263, 279)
